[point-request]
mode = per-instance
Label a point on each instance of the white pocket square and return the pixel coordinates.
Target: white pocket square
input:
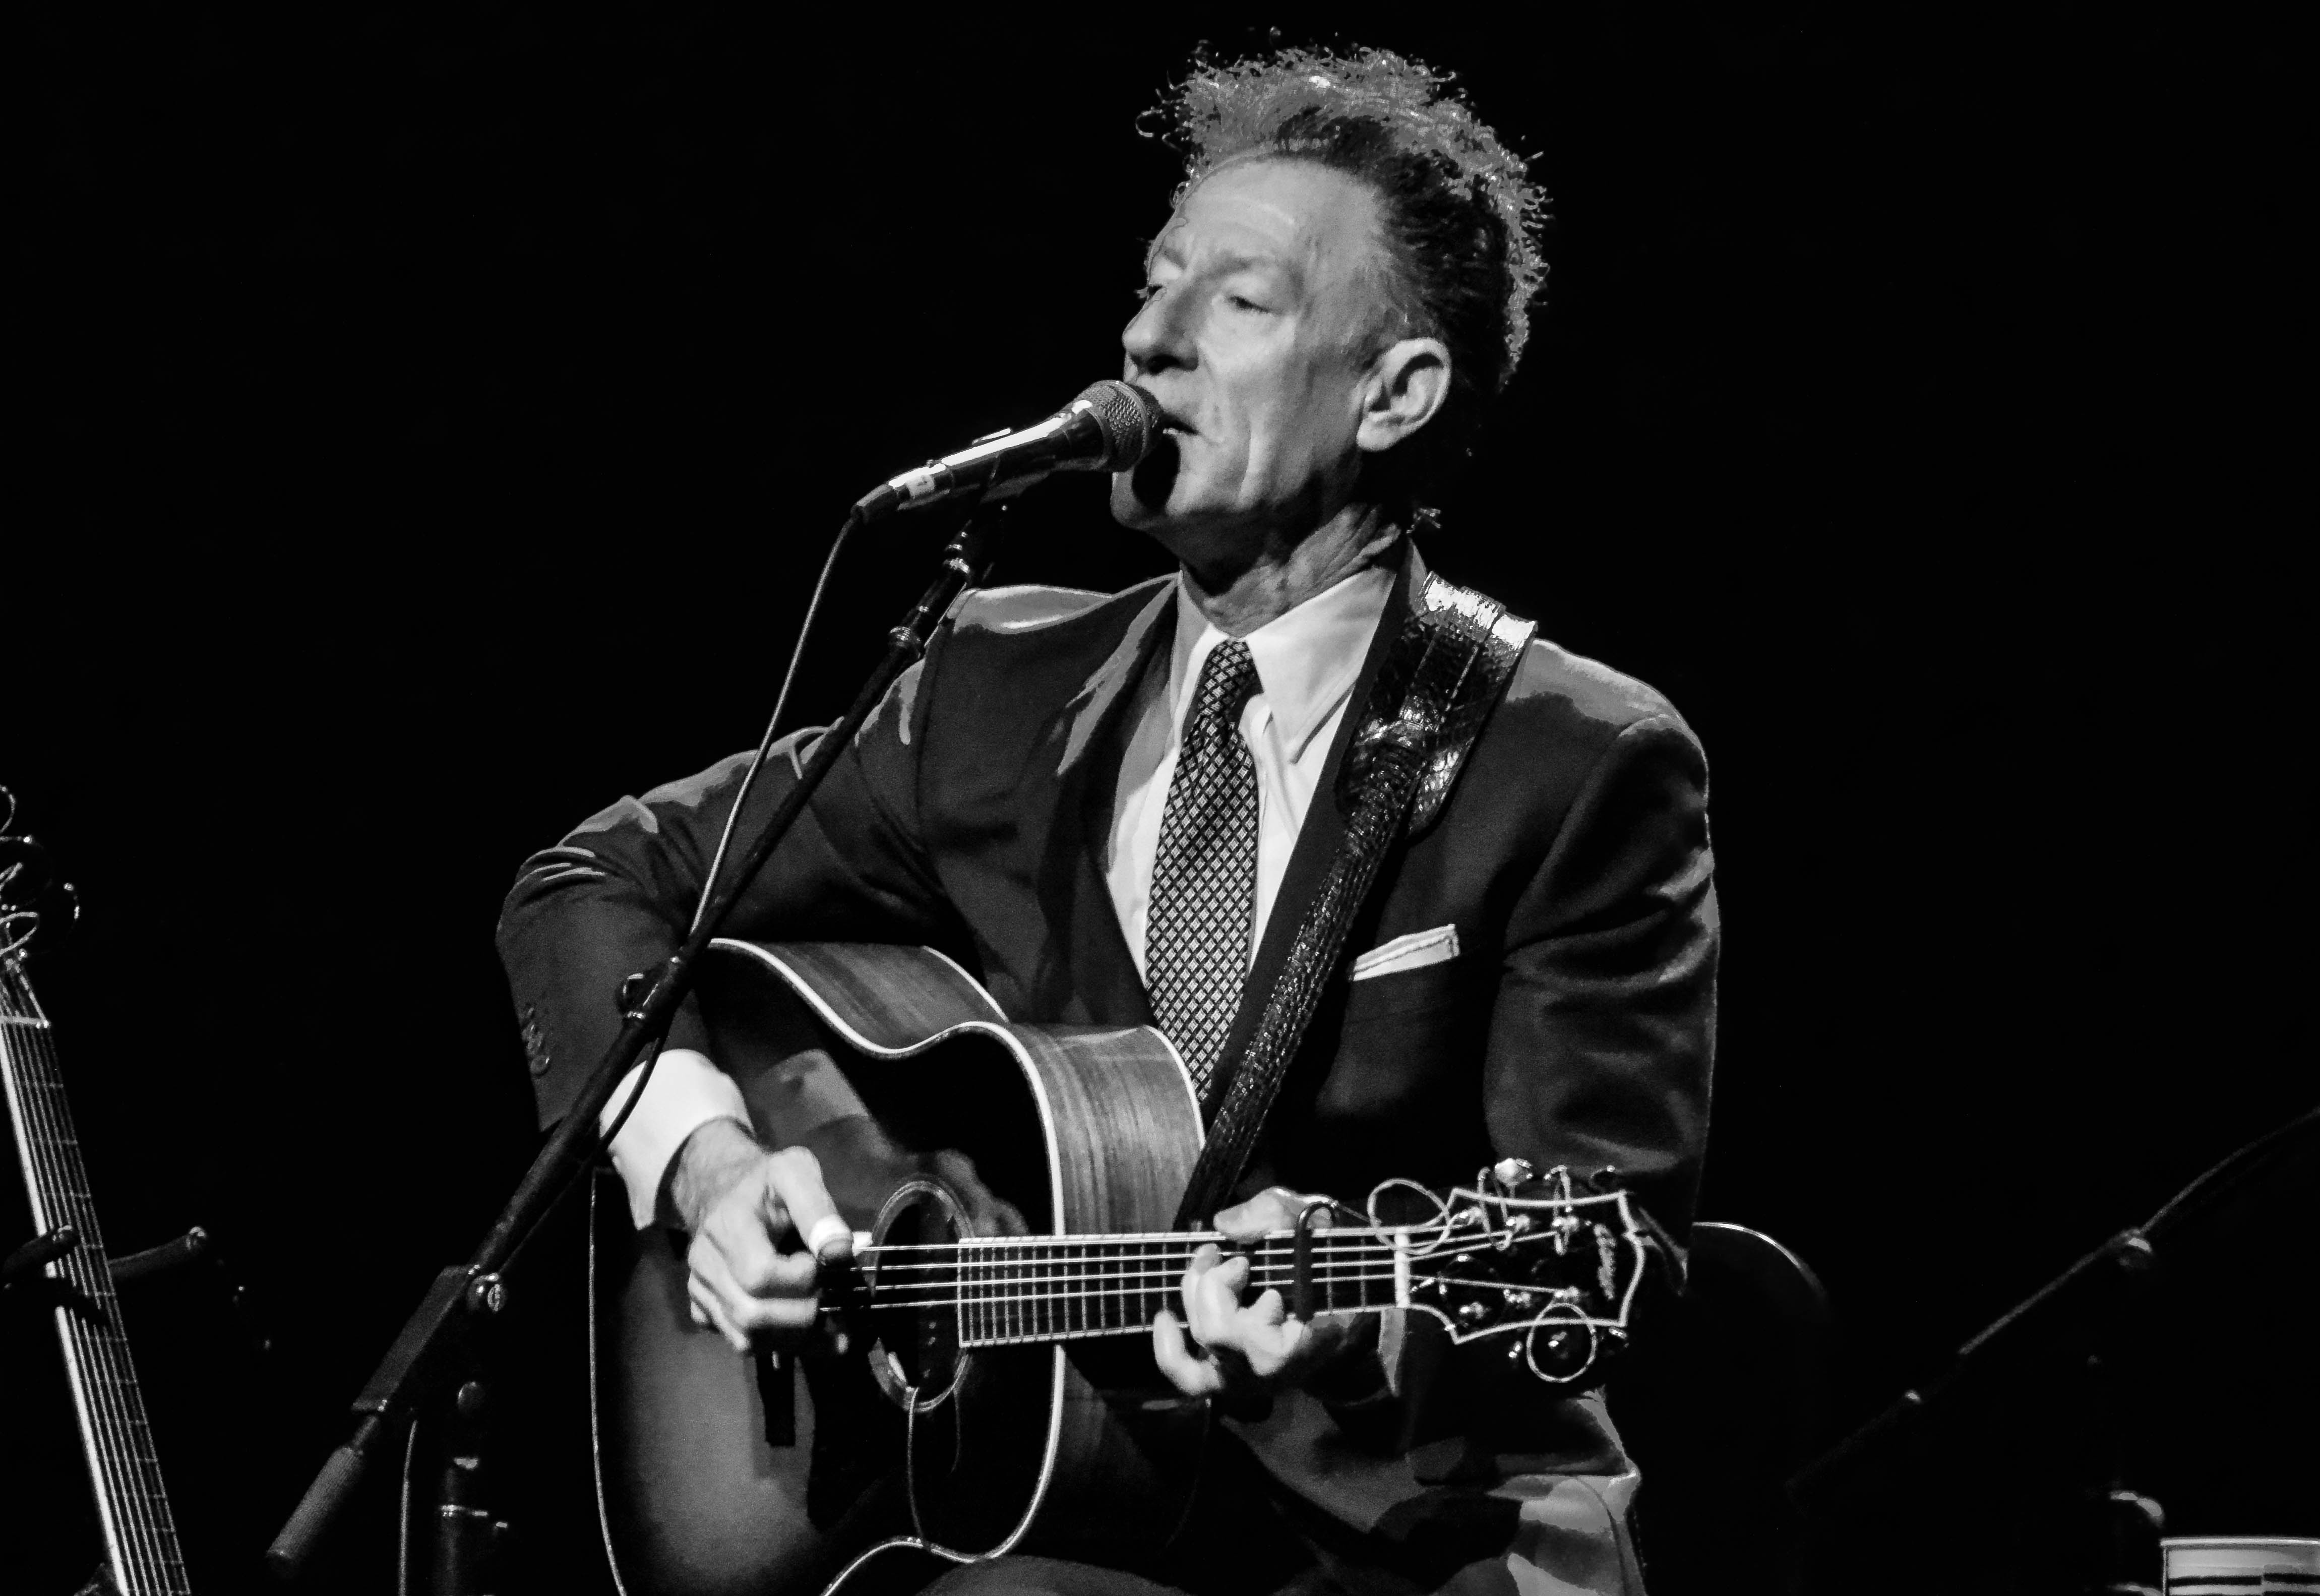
(1413, 952)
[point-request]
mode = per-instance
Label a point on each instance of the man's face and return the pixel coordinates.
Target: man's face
(1260, 301)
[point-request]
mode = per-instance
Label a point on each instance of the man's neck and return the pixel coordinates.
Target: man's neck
(1237, 599)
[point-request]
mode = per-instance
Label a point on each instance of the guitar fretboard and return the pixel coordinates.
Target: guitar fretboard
(1065, 1288)
(140, 1534)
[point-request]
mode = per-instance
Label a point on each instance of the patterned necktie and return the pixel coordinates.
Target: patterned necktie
(1204, 877)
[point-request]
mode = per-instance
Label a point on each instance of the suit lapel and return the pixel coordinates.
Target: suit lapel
(1078, 765)
(1319, 838)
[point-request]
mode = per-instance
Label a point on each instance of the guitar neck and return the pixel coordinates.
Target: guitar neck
(1065, 1288)
(140, 1537)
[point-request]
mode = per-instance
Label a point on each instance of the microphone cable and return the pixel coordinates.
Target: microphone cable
(852, 524)
(1126, 418)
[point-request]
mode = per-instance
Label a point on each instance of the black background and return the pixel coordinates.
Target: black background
(428, 421)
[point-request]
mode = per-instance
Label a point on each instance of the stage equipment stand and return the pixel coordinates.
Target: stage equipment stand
(434, 1359)
(2113, 1547)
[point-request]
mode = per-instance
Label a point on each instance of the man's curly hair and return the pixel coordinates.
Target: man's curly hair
(1460, 214)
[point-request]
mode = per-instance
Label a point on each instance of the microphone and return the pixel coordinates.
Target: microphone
(1109, 427)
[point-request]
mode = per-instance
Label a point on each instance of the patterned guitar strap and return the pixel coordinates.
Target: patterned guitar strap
(1450, 665)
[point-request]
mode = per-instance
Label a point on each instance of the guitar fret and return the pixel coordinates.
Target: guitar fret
(1049, 1289)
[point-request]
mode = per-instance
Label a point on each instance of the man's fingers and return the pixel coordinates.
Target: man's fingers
(744, 1308)
(794, 1176)
(1262, 1214)
(1269, 1211)
(1194, 1376)
(1269, 1310)
(1212, 1297)
(759, 1267)
(708, 1312)
(1275, 1346)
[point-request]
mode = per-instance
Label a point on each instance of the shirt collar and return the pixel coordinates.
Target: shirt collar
(1306, 660)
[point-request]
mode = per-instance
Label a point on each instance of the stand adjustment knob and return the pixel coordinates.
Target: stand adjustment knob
(631, 998)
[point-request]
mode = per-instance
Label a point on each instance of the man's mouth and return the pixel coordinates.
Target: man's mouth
(1171, 423)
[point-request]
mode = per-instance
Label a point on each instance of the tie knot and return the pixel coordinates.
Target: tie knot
(1228, 681)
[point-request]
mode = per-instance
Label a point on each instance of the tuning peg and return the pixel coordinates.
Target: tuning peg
(1511, 1172)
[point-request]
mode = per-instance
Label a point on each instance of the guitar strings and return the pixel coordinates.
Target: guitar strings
(967, 1298)
(42, 1141)
(129, 1472)
(1038, 1295)
(1361, 1240)
(1380, 1236)
(112, 1445)
(1346, 1270)
(967, 1257)
(147, 1532)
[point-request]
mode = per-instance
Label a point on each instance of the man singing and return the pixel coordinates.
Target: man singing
(1116, 810)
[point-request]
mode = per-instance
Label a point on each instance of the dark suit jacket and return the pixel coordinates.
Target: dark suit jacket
(1574, 1026)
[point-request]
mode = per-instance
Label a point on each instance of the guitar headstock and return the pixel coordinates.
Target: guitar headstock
(1530, 1256)
(30, 890)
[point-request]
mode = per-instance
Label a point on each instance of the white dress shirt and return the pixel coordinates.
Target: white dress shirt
(1306, 661)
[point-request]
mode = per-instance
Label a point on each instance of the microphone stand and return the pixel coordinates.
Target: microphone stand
(2116, 1547)
(431, 1358)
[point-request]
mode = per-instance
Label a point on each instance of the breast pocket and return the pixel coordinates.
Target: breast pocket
(1409, 992)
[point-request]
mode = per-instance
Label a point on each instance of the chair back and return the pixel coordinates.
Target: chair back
(1722, 1399)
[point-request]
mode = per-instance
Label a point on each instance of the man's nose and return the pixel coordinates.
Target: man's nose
(1156, 337)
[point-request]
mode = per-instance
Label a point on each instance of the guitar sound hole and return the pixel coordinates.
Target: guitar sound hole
(914, 1351)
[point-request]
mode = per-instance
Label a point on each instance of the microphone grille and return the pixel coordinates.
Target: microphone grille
(1128, 418)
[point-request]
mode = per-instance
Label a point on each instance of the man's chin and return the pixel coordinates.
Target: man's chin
(1131, 512)
(1140, 494)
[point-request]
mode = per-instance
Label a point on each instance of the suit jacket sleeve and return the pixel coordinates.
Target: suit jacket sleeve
(1599, 1050)
(1603, 1030)
(617, 895)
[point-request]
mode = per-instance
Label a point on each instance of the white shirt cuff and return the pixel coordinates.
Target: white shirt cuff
(685, 1093)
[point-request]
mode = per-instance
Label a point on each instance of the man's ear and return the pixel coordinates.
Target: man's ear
(1408, 385)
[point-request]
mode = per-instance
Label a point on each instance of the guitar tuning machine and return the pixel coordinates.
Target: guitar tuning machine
(1513, 1173)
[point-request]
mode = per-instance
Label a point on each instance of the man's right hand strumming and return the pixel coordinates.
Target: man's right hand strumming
(763, 1223)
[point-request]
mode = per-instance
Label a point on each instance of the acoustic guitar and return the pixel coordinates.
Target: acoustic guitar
(998, 1394)
(142, 1555)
